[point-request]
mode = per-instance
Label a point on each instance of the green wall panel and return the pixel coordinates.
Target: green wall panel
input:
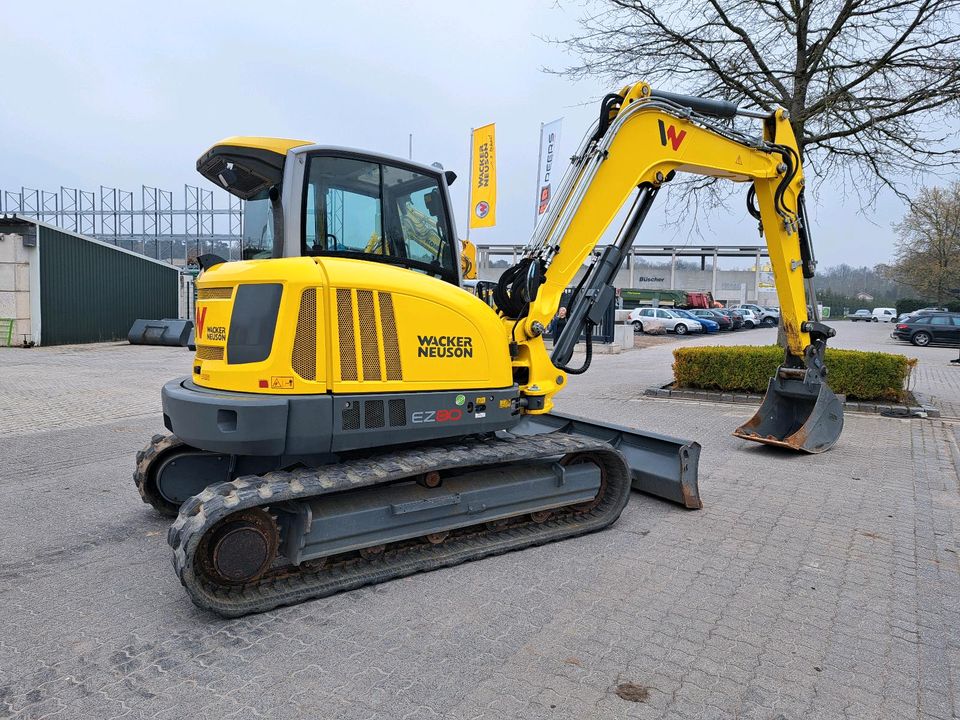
(92, 293)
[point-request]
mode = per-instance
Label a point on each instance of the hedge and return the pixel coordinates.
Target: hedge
(748, 368)
(906, 305)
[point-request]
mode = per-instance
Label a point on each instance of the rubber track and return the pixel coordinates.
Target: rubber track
(201, 512)
(159, 445)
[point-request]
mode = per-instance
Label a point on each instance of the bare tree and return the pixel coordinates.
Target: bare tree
(928, 247)
(872, 86)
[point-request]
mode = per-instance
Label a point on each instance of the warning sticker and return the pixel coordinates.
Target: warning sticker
(281, 382)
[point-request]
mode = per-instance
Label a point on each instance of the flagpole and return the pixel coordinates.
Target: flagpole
(536, 197)
(470, 184)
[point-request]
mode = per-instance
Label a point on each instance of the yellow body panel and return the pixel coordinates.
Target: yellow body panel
(445, 338)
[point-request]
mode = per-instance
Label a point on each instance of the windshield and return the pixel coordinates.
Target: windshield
(257, 228)
(379, 212)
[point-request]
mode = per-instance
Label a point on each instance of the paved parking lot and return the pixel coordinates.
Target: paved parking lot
(808, 587)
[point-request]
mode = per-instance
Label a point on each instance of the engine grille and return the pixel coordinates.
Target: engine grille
(214, 293)
(398, 413)
(305, 342)
(376, 326)
(373, 414)
(348, 346)
(209, 352)
(350, 416)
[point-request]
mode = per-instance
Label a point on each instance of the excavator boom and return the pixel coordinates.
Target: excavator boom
(641, 141)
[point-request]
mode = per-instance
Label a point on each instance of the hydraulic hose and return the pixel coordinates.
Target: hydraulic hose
(586, 361)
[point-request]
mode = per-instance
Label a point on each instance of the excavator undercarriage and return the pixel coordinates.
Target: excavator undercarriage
(259, 541)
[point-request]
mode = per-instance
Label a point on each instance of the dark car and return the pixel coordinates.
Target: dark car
(735, 317)
(724, 322)
(934, 327)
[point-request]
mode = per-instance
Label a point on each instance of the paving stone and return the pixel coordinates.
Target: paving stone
(821, 586)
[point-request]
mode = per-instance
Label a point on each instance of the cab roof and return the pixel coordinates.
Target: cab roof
(247, 166)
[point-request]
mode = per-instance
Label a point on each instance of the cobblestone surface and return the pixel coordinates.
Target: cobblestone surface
(808, 587)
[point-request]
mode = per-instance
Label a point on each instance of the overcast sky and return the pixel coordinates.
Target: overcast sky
(125, 94)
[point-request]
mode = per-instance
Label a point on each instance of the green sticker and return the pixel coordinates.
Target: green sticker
(461, 399)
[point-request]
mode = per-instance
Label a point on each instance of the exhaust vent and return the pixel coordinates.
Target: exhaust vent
(376, 330)
(209, 352)
(305, 342)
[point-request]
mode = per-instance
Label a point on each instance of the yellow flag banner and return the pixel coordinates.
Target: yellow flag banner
(483, 178)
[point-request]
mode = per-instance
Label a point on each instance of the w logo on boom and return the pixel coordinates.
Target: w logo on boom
(670, 133)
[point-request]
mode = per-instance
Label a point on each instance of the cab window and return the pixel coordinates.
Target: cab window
(374, 211)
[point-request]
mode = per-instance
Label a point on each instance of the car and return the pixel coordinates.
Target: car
(671, 321)
(722, 320)
(887, 314)
(710, 325)
(750, 318)
(929, 328)
(903, 317)
(735, 318)
(643, 323)
(861, 314)
(765, 317)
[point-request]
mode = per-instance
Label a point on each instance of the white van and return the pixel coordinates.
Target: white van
(884, 314)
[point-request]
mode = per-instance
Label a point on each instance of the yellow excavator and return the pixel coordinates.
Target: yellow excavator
(355, 415)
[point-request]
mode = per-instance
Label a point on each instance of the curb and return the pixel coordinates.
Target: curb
(751, 399)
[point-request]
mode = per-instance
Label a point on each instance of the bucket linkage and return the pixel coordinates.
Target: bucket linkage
(799, 411)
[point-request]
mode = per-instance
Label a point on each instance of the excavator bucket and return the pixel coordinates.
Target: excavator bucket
(799, 412)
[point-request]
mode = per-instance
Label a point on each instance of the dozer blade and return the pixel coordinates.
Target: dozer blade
(659, 464)
(798, 412)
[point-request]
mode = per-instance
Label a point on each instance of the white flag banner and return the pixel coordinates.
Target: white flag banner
(548, 174)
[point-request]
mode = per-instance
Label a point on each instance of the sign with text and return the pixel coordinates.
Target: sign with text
(483, 178)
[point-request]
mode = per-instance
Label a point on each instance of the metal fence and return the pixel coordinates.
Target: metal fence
(154, 227)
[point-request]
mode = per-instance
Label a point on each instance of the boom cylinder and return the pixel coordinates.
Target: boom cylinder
(589, 302)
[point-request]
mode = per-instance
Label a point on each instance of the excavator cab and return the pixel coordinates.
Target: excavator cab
(309, 200)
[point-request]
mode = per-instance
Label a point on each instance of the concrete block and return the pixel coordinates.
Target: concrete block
(8, 276)
(22, 279)
(24, 254)
(8, 247)
(22, 305)
(8, 304)
(623, 336)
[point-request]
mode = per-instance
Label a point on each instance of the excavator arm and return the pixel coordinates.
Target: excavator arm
(641, 140)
